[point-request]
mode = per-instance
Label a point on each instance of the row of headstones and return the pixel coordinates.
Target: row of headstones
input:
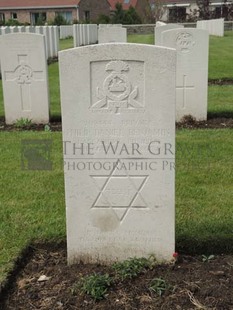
(51, 34)
(191, 77)
(85, 34)
(213, 26)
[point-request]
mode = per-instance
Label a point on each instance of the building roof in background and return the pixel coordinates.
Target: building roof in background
(125, 3)
(16, 4)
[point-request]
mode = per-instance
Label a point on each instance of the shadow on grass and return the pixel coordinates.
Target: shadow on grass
(222, 114)
(208, 246)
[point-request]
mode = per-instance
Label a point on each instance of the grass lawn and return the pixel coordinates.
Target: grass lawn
(220, 99)
(32, 203)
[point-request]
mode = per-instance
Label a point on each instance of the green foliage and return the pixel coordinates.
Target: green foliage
(125, 17)
(12, 22)
(118, 14)
(103, 19)
(47, 128)
(40, 21)
(207, 258)
(132, 267)
(204, 9)
(159, 286)
(95, 285)
(23, 122)
(60, 20)
(132, 17)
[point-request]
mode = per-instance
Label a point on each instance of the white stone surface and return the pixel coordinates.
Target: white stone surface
(85, 34)
(192, 70)
(50, 32)
(118, 121)
(213, 26)
(161, 28)
(92, 34)
(24, 77)
(158, 24)
(66, 31)
(112, 34)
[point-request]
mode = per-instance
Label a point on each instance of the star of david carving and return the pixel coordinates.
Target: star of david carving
(120, 192)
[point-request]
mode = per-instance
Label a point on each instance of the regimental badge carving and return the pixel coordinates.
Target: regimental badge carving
(117, 93)
(185, 42)
(24, 74)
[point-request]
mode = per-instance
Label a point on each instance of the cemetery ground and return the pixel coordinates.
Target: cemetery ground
(32, 213)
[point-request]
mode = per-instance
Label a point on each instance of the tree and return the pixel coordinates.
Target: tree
(204, 9)
(125, 17)
(227, 10)
(118, 14)
(132, 17)
(153, 10)
(103, 19)
(59, 20)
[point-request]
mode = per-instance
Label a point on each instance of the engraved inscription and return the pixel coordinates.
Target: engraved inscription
(23, 75)
(119, 192)
(185, 42)
(183, 88)
(119, 91)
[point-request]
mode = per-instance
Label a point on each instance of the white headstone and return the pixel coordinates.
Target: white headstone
(24, 77)
(118, 114)
(66, 31)
(192, 70)
(213, 26)
(112, 34)
(160, 29)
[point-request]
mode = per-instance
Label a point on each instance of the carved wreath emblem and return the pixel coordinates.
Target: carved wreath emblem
(185, 42)
(24, 74)
(117, 91)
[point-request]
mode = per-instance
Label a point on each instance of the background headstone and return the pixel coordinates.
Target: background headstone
(213, 26)
(24, 77)
(161, 28)
(192, 47)
(118, 121)
(112, 34)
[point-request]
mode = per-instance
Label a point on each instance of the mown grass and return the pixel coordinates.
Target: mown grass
(141, 38)
(66, 43)
(220, 101)
(221, 56)
(32, 204)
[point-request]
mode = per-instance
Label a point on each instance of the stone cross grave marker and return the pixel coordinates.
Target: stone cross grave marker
(118, 114)
(24, 76)
(192, 70)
